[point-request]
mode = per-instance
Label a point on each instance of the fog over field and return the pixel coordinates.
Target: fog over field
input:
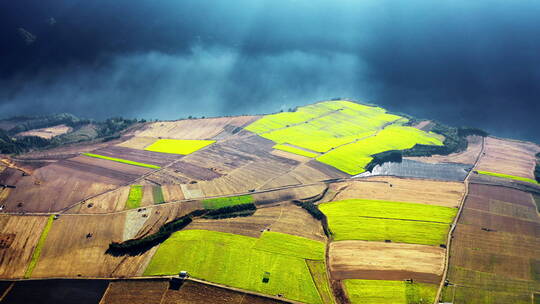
(462, 62)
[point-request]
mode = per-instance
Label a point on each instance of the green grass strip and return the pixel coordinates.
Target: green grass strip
(294, 150)
(396, 292)
(39, 246)
(519, 178)
(157, 194)
(216, 203)
(124, 161)
(135, 197)
(320, 277)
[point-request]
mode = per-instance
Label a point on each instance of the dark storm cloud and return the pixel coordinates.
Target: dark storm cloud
(462, 62)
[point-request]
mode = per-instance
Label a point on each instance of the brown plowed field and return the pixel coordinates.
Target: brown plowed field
(68, 252)
(135, 292)
(511, 266)
(197, 293)
(142, 156)
(499, 223)
(465, 157)
(172, 193)
(137, 142)
(500, 265)
(24, 233)
(10, 176)
(167, 176)
(387, 275)
(385, 261)
(235, 165)
(469, 236)
(148, 197)
(446, 194)
(509, 157)
(504, 194)
(108, 202)
(502, 208)
(296, 157)
(194, 172)
(280, 181)
(285, 218)
(55, 187)
(129, 170)
(193, 128)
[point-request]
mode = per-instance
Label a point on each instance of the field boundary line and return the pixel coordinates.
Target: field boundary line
(105, 293)
(454, 224)
(6, 292)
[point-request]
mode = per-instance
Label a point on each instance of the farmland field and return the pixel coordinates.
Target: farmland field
(391, 292)
(24, 233)
(291, 149)
(136, 155)
(192, 292)
(234, 260)
(67, 182)
(216, 203)
(495, 248)
(353, 157)
(348, 133)
(135, 292)
(381, 220)
(501, 175)
(39, 247)
(446, 194)
(157, 195)
(124, 161)
(194, 128)
(135, 197)
(286, 218)
(320, 277)
(509, 157)
(389, 210)
(178, 146)
(386, 261)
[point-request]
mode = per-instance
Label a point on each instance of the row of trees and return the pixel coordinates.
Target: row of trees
(138, 246)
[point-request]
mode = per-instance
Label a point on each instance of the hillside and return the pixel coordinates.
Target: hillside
(334, 202)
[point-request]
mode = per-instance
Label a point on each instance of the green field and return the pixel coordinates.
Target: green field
(294, 150)
(234, 260)
(220, 202)
(519, 178)
(37, 251)
(125, 161)
(157, 195)
(323, 126)
(178, 146)
(390, 292)
(320, 276)
(135, 197)
(352, 158)
(346, 132)
(382, 220)
(281, 243)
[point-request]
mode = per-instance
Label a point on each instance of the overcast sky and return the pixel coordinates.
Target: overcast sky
(462, 62)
